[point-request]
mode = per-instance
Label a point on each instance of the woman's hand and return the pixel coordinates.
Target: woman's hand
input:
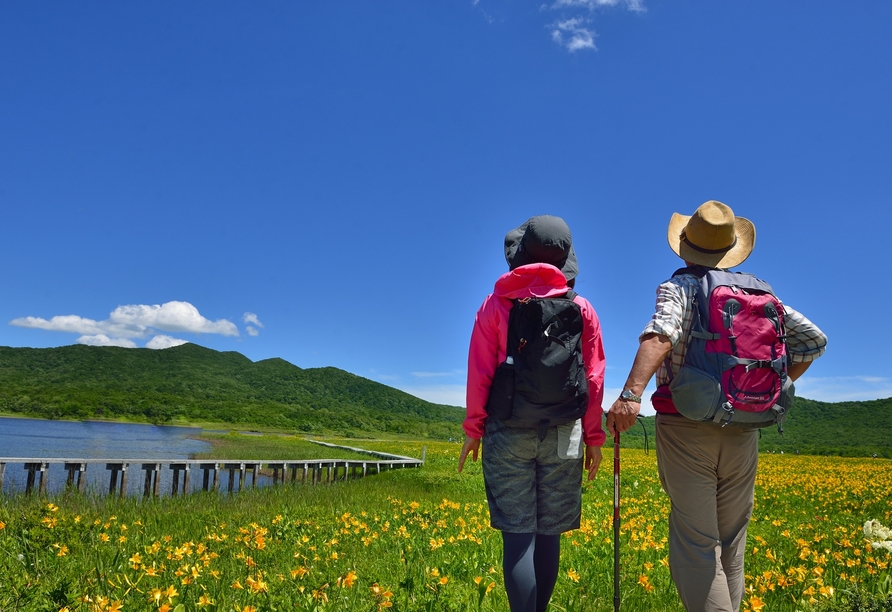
(471, 445)
(592, 460)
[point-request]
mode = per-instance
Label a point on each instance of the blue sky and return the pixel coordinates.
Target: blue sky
(331, 182)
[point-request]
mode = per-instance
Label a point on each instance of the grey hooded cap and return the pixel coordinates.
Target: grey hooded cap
(542, 239)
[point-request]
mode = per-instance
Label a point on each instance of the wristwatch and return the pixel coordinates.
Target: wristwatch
(629, 396)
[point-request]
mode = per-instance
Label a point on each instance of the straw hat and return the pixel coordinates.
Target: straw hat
(712, 236)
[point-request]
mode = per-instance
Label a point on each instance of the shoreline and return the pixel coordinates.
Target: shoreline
(207, 426)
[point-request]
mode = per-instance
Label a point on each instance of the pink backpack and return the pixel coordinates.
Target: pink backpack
(735, 368)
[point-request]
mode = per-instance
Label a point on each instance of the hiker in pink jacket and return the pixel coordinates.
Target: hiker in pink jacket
(533, 475)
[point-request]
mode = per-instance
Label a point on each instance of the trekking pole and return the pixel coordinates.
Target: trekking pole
(616, 521)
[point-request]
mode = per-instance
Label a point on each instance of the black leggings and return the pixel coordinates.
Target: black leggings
(530, 565)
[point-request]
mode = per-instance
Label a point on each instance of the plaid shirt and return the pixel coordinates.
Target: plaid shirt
(673, 316)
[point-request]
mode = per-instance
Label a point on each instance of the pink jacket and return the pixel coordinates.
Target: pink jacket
(490, 339)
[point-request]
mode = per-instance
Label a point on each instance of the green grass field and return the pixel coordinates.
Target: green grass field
(418, 539)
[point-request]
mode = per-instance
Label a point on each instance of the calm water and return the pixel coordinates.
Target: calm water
(30, 438)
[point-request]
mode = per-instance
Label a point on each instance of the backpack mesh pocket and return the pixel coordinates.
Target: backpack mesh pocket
(696, 394)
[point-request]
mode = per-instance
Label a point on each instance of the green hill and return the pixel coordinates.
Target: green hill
(192, 383)
(816, 428)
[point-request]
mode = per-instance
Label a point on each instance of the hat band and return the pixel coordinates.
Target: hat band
(700, 249)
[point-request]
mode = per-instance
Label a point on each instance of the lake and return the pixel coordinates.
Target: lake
(39, 439)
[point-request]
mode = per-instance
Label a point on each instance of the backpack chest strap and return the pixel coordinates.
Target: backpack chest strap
(751, 364)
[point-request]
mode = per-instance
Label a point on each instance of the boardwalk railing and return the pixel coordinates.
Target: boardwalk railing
(309, 471)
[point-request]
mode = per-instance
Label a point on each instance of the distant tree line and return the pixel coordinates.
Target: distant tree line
(846, 429)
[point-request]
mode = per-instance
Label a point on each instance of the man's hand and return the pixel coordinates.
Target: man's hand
(622, 416)
(592, 460)
(652, 351)
(471, 445)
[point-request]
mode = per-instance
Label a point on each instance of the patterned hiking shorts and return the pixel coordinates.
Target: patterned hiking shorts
(533, 486)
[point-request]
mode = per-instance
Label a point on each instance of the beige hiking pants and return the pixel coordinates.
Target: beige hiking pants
(709, 474)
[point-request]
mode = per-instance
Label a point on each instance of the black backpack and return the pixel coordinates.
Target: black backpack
(542, 382)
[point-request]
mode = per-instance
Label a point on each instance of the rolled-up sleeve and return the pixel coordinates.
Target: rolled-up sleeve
(805, 342)
(669, 315)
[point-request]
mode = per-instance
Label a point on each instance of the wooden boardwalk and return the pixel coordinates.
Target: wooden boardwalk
(307, 471)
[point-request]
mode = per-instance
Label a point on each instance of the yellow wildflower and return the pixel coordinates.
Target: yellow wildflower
(348, 580)
(256, 586)
(755, 603)
(299, 572)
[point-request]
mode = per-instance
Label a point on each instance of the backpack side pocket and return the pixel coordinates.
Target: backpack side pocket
(500, 403)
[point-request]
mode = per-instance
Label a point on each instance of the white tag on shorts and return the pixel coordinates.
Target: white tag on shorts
(570, 440)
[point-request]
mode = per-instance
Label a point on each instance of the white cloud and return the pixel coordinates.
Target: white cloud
(171, 316)
(252, 331)
(573, 31)
(68, 323)
(632, 5)
(163, 342)
(250, 317)
(573, 34)
(132, 321)
(103, 340)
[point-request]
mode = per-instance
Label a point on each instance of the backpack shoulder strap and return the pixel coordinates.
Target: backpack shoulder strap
(698, 271)
(704, 274)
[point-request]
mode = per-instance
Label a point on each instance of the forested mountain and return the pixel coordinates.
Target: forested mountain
(192, 383)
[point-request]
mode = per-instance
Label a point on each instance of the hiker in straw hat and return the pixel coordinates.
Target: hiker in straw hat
(707, 470)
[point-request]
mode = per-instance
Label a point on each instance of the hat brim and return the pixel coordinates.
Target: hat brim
(746, 240)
